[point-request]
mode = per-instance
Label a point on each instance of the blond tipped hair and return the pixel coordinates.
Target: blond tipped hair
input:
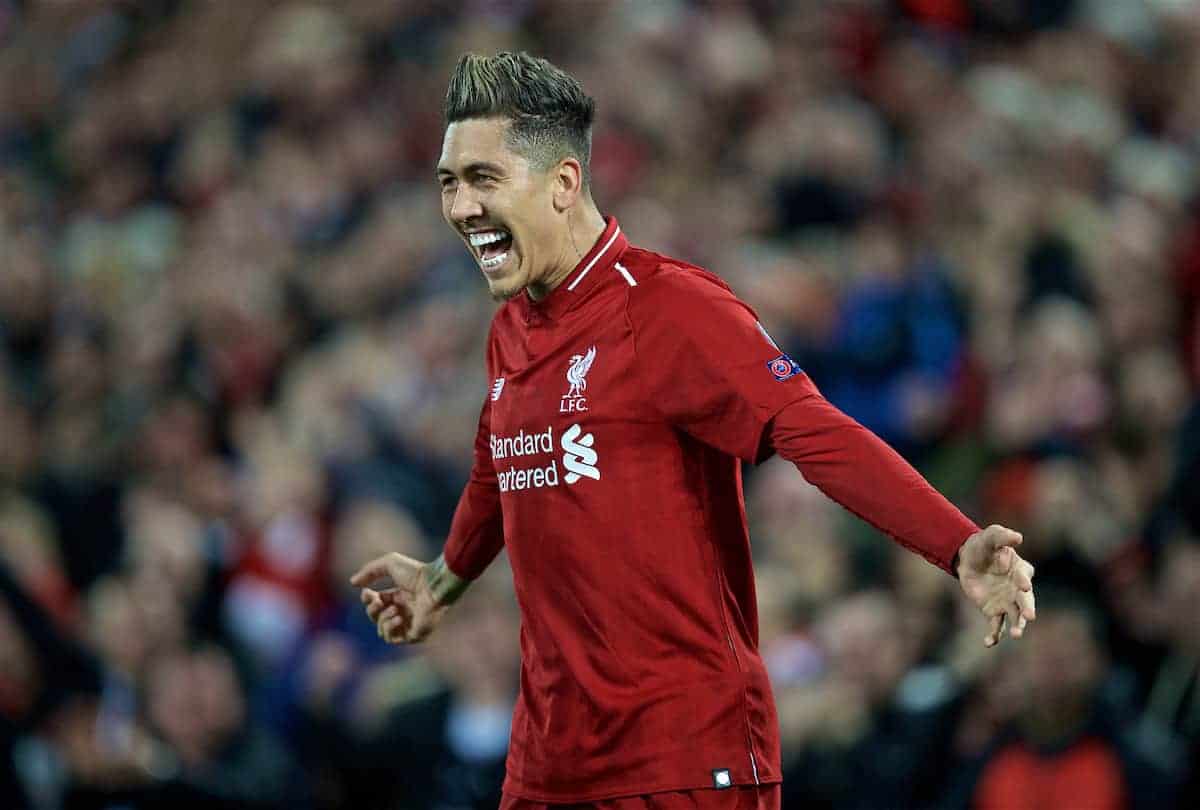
(550, 117)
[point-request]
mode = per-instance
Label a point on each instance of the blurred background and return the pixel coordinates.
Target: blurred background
(240, 354)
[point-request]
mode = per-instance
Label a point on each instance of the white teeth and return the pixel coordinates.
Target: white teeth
(494, 262)
(486, 238)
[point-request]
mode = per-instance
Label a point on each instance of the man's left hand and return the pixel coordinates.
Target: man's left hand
(995, 578)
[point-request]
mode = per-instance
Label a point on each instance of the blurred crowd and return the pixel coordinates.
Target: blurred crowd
(240, 355)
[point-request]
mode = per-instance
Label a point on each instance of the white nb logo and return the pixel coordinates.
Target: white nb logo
(578, 456)
(497, 387)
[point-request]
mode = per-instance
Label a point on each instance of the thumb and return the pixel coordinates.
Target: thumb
(999, 537)
(376, 569)
(984, 548)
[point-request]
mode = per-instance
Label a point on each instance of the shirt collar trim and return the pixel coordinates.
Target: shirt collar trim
(602, 256)
(616, 231)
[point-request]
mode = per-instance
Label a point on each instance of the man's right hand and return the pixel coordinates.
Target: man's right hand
(421, 592)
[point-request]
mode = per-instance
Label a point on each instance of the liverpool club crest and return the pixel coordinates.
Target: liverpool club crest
(574, 400)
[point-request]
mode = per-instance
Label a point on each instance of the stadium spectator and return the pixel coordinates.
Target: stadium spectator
(1065, 744)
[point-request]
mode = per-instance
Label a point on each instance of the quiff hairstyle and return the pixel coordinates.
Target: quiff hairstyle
(550, 117)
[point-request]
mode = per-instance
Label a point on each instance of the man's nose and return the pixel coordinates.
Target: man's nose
(465, 205)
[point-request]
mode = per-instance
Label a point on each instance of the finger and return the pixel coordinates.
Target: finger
(1001, 561)
(375, 569)
(367, 595)
(390, 619)
(374, 608)
(1012, 614)
(394, 596)
(1026, 602)
(1021, 577)
(995, 625)
(373, 605)
(1016, 623)
(395, 629)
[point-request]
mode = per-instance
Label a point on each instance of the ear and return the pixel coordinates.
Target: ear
(567, 180)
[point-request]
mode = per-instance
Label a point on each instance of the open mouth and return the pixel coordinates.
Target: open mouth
(491, 247)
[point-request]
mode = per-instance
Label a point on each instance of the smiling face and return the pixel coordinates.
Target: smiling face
(503, 208)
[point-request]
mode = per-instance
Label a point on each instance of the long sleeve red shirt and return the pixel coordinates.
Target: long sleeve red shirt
(608, 461)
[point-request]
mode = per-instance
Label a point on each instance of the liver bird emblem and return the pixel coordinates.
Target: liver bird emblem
(577, 372)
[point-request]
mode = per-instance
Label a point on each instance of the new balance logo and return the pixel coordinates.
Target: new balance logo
(497, 387)
(578, 456)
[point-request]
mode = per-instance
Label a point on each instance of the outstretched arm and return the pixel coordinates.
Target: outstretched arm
(743, 396)
(861, 472)
(858, 470)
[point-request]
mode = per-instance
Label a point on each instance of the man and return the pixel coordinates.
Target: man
(1071, 744)
(627, 389)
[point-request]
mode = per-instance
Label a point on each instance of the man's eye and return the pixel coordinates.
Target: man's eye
(448, 183)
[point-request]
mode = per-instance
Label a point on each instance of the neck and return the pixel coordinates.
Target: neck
(583, 229)
(1049, 726)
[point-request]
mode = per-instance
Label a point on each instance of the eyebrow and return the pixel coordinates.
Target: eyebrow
(473, 168)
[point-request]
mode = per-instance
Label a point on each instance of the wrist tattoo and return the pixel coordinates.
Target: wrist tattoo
(445, 585)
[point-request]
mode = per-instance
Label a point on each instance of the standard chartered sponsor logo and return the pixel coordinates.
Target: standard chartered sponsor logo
(523, 444)
(528, 477)
(579, 458)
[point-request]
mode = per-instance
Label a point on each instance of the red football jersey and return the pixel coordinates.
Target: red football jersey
(608, 462)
